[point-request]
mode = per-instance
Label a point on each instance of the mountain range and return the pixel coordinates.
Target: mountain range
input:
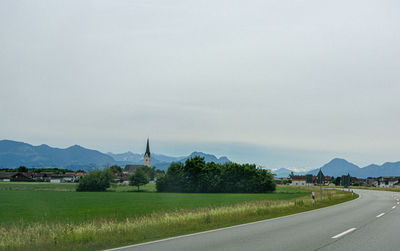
(14, 154)
(338, 167)
(161, 161)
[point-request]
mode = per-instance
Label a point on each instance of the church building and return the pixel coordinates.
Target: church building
(147, 156)
(147, 161)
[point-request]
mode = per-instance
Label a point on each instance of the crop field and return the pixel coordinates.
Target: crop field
(44, 216)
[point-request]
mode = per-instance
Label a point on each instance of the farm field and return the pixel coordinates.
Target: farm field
(44, 216)
(45, 202)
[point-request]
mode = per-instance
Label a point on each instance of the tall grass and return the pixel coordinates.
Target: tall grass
(107, 233)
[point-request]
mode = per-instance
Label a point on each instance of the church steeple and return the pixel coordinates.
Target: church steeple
(147, 155)
(147, 148)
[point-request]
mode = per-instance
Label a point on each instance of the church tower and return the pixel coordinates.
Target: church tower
(147, 158)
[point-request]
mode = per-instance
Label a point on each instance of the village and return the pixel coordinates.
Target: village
(56, 176)
(344, 180)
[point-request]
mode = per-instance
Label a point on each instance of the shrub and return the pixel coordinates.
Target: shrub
(95, 181)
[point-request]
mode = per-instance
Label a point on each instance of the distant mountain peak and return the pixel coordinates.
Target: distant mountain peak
(75, 146)
(338, 160)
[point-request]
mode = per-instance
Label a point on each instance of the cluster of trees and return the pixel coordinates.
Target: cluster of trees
(99, 181)
(95, 181)
(197, 176)
(151, 172)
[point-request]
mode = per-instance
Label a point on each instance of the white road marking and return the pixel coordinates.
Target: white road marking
(345, 232)
(393, 207)
(382, 214)
(398, 203)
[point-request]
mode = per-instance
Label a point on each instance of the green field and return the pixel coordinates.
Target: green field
(45, 202)
(44, 216)
(45, 186)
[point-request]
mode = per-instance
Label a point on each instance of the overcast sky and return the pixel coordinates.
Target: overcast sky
(279, 83)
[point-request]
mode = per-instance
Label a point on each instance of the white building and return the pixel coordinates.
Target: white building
(387, 181)
(298, 180)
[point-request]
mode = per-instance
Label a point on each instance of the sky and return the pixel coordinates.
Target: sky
(278, 83)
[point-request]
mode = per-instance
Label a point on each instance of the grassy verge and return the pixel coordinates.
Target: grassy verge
(390, 189)
(100, 233)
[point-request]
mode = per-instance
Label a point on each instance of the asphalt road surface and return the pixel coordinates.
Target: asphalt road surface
(371, 222)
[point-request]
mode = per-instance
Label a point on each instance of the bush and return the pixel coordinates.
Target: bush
(196, 176)
(96, 181)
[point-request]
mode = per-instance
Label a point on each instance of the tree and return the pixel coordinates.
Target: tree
(22, 169)
(116, 169)
(139, 178)
(337, 181)
(95, 181)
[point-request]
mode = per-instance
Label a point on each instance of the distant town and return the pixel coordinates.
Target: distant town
(344, 180)
(56, 175)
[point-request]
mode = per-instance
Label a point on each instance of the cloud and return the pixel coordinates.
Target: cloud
(318, 77)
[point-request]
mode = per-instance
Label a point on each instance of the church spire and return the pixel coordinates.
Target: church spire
(147, 148)
(147, 157)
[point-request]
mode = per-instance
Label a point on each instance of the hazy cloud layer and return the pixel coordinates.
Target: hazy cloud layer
(313, 77)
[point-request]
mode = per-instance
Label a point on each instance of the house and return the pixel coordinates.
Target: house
(7, 176)
(358, 181)
(278, 181)
(63, 178)
(42, 176)
(372, 182)
(387, 181)
(299, 180)
(15, 176)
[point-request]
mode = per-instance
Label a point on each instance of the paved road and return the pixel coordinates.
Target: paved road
(371, 222)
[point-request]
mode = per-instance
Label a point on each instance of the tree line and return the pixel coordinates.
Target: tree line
(24, 169)
(100, 180)
(197, 176)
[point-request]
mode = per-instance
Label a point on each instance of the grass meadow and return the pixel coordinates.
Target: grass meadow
(37, 216)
